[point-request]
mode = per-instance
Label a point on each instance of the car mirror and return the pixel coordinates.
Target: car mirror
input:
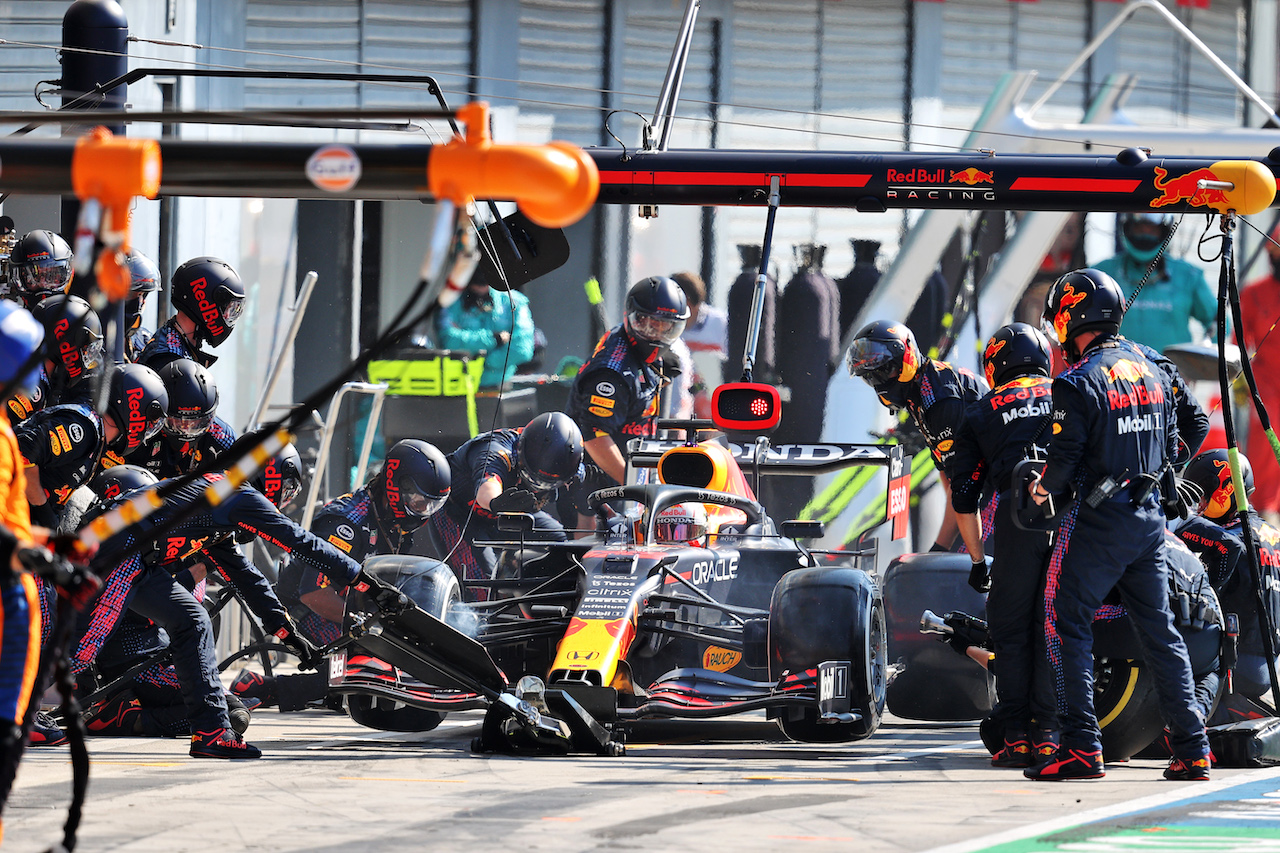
(515, 522)
(800, 529)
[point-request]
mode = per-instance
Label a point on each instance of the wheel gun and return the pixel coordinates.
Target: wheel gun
(966, 634)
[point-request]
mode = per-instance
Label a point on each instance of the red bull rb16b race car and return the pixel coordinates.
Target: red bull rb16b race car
(655, 616)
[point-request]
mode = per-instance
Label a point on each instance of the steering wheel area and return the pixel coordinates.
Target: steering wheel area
(657, 497)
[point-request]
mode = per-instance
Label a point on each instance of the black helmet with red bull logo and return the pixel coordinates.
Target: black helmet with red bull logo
(549, 451)
(111, 483)
(1084, 300)
(210, 293)
(656, 313)
(886, 356)
(72, 335)
(1210, 472)
(193, 399)
(137, 405)
(40, 266)
(413, 482)
(144, 278)
(1015, 350)
(280, 478)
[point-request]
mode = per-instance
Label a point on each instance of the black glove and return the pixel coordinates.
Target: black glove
(980, 575)
(1189, 497)
(385, 597)
(959, 645)
(309, 656)
(514, 499)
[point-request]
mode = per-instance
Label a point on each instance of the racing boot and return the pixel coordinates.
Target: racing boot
(45, 732)
(254, 690)
(1044, 743)
(1188, 769)
(1068, 763)
(1016, 751)
(119, 715)
(222, 743)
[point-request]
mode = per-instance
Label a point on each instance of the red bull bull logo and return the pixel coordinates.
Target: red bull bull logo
(1268, 535)
(1183, 188)
(993, 347)
(1219, 503)
(1066, 302)
(910, 364)
(1127, 370)
(972, 176)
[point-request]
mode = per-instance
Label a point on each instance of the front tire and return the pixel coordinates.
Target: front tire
(829, 614)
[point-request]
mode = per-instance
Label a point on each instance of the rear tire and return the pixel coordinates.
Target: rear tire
(1127, 707)
(827, 614)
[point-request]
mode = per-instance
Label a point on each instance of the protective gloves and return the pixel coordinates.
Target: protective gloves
(980, 575)
(514, 500)
(385, 597)
(309, 656)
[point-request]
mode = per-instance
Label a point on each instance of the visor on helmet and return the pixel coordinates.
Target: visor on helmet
(187, 428)
(417, 504)
(873, 361)
(232, 310)
(654, 328)
(45, 276)
(539, 483)
(92, 354)
(681, 523)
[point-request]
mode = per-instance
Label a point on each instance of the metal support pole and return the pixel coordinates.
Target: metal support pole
(326, 439)
(762, 283)
(669, 94)
(273, 374)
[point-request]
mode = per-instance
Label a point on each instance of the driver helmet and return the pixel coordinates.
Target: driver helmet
(72, 335)
(280, 478)
(210, 293)
(40, 266)
(549, 451)
(656, 313)
(193, 398)
(1142, 234)
(414, 482)
(1210, 472)
(1083, 300)
(685, 524)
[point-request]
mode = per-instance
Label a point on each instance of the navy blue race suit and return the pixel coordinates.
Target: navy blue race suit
(65, 442)
(489, 455)
(166, 456)
(1221, 548)
(168, 344)
(616, 394)
(1192, 421)
(937, 399)
(1113, 417)
(144, 582)
(994, 437)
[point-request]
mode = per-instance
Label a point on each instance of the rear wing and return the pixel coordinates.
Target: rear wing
(804, 460)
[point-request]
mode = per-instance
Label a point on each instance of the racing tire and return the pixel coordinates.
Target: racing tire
(828, 614)
(433, 587)
(1126, 705)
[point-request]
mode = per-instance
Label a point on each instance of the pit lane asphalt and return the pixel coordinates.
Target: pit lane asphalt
(327, 784)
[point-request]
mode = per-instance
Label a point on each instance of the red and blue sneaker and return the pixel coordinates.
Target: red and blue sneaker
(1188, 769)
(1016, 752)
(1068, 763)
(45, 732)
(222, 743)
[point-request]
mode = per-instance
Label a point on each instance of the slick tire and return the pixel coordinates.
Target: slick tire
(1127, 707)
(379, 712)
(828, 614)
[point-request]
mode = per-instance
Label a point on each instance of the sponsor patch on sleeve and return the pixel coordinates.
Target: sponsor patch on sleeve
(600, 411)
(605, 389)
(602, 401)
(63, 439)
(345, 547)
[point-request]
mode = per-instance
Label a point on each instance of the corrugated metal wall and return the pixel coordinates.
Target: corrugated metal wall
(561, 73)
(36, 22)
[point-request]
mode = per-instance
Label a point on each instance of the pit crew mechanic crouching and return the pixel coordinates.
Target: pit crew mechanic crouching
(615, 395)
(886, 356)
(1215, 535)
(73, 357)
(507, 470)
(208, 298)
(191, 432)
(144, 582)
(996, 432)
(1113, 431)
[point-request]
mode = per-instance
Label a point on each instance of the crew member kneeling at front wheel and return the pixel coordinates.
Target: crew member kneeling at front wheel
(1113, 431)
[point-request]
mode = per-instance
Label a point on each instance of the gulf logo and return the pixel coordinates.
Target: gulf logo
(334, 168)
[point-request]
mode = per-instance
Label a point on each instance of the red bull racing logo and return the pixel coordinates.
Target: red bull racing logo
(910, 364)
(1069, 300)
(1184, 188)
(993, 347)
(972, 176)
(137, 418)
(1130, 371)
(393, 493)
(211, 314)
(1219, 503)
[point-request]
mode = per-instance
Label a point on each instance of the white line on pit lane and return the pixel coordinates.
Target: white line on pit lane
(453, 728)
(1195, 791)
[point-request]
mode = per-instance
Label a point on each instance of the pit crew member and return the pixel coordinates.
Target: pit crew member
(994, 437)
(191, 432)
(1113, 430)
(614, 397)
(886, 356)
(39, 267)
(73, 357)
(208, 298)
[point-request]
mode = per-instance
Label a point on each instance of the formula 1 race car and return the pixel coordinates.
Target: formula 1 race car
(624, 626)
